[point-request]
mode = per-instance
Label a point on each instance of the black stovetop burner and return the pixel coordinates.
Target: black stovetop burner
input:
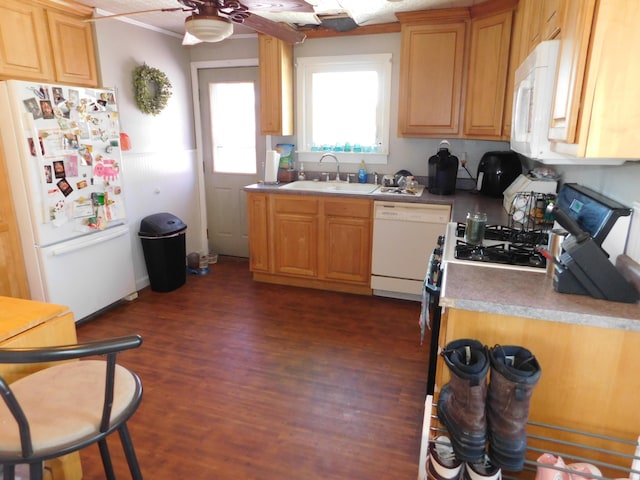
(511, 254)
(505, 234)
(517, 247)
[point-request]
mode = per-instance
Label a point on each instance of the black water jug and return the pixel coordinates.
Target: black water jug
(443, 171)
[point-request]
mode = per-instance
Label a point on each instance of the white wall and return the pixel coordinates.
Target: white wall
(159, 173)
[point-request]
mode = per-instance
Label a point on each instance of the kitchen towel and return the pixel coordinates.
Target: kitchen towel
(271, 163)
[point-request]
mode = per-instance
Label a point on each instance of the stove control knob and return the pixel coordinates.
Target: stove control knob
(440, 240)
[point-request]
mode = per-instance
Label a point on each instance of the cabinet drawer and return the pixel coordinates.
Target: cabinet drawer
(352, 208)
(294, 204)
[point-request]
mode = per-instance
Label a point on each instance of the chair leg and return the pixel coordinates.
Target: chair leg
(129, 452)
(106, 459)
(35, 471)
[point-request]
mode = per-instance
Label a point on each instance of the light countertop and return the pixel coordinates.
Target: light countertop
(530, 295)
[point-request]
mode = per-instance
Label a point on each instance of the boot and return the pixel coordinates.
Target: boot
(514, 374)
(461, 404)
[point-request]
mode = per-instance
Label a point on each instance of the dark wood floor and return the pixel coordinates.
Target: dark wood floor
(245, 380)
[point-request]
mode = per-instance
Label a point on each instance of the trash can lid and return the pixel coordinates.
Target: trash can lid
(161, 224)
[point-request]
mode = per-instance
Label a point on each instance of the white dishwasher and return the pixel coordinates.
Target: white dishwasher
(404, 235)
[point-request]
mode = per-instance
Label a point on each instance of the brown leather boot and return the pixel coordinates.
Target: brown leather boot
(461, 404)
(514, 374)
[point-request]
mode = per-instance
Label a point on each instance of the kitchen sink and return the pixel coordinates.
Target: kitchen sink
(331, 187)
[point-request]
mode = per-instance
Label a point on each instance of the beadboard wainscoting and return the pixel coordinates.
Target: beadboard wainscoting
(157, 182)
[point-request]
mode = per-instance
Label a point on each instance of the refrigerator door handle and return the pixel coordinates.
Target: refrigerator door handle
(63, 250)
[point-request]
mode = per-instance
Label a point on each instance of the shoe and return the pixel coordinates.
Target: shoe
(551, 473)
(584, 471)
(442, 463)
(461, 404)
(483, 470)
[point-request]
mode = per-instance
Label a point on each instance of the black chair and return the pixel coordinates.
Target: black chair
(68, 406)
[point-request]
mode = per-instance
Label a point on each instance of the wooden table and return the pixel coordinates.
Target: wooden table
(25, 323)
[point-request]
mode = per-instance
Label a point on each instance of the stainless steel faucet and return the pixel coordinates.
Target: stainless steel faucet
(329, 154)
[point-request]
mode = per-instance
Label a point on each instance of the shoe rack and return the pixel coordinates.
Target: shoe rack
(616, 458)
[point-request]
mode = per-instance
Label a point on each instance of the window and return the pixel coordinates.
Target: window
(344, 107)
(233, 127)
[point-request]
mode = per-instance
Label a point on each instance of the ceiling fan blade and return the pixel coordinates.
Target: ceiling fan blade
(138, 12)
(279, 30)
(296, 6)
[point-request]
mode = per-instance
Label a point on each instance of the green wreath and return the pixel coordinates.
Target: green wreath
(152, 89)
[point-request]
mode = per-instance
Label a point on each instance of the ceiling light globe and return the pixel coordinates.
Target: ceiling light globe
(208, 29)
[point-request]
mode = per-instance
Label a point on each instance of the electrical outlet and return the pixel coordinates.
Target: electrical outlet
(633, 240)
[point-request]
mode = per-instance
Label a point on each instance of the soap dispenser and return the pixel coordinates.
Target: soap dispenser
(301, 174)
(362, 173)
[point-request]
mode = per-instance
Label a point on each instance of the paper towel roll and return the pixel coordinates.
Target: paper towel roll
(271, 164)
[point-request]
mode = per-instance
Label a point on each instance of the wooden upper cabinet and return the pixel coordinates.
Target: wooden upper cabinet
(595, 113)
(431, 72)
(73, 49)
(488, 69)
(276, 86)
(47, 41)
(24, 41)
(551, 18)
(572, 61)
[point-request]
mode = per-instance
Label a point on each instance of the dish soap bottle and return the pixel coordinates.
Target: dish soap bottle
(362, 173)
(301, 174)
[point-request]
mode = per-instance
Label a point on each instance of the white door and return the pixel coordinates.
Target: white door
(224, 181)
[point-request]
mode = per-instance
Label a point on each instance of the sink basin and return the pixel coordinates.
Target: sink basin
(331, 187)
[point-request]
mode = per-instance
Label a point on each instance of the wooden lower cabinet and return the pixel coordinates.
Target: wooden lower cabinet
(314, 241)
(346, 241)
(295, 235)
(25, 323)
(258, 221)
(590, 375)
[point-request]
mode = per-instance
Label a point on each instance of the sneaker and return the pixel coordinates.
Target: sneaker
(483, 470)
(551, 473)
(442, 463)
(587, 470)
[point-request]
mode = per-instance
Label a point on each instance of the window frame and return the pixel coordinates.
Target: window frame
(307, 66)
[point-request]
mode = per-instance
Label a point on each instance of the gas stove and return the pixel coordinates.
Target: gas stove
(503, 247)
(382, 190)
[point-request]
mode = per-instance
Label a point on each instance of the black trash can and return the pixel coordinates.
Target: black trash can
(163, 243)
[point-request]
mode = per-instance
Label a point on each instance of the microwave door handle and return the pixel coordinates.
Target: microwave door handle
(521, 106)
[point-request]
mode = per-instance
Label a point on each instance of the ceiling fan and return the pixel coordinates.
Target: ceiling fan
(212, 20)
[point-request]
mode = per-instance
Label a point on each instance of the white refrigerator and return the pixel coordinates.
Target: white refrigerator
(62, 148)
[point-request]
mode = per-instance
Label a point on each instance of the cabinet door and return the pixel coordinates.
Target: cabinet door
(486, 89)
(608, 127)
(276, 86)
(24, 46)
(572, 61)
(295, 235)
(551, 19)
(346, 252)
(73, 50)
(515, 60)
(431, 71)
(258, 220)
(13, 276)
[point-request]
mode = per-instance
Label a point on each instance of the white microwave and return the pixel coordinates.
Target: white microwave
(533, 96)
